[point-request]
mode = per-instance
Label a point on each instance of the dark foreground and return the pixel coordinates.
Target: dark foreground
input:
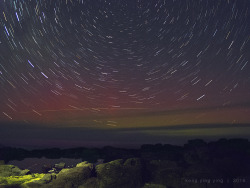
(197, 164)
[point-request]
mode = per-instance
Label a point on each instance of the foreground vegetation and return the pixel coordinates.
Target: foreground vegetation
(225, 163)
(20, 180)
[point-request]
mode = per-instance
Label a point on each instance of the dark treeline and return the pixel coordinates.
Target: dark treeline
(193, 151)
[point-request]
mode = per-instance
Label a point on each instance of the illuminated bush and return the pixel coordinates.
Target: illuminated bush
(20, 180)
(73, 177)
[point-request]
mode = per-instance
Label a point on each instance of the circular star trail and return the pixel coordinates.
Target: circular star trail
(85, 54)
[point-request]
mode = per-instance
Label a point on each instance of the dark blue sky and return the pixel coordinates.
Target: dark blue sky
(87, 62)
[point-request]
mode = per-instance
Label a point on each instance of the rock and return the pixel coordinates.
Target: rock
(25, 172)
(60, 166)
(46, 168)
(82, 164)
(118, 174)
(53, 170)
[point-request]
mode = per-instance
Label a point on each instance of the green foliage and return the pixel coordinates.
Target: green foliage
(151, 185)
(90, 183)
(19, 180)
(110, 172)
(9, 170)
(118, 174)
(165, 172)
(73, 177)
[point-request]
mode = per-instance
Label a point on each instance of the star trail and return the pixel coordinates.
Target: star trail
(97, 56)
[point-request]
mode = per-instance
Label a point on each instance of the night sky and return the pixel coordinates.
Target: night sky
(133, 63)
